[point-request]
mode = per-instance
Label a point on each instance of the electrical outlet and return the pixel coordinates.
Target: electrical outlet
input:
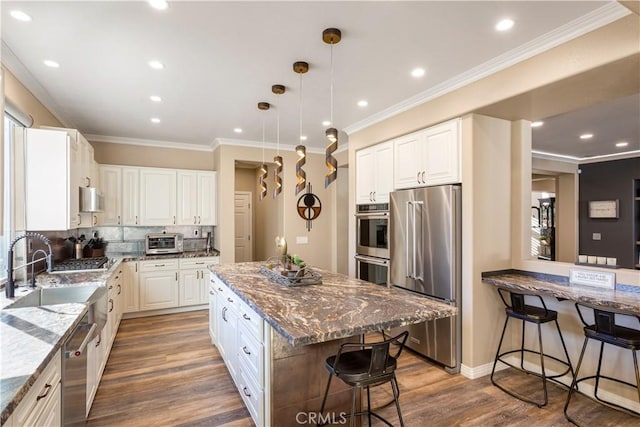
(596, 236)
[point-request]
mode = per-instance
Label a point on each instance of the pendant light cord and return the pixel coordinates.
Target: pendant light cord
(263, 139)
(300, 107)
(331, 85)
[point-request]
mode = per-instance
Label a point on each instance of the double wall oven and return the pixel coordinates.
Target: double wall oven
(372, 246)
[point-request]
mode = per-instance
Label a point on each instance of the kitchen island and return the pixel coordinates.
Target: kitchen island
(275, 338)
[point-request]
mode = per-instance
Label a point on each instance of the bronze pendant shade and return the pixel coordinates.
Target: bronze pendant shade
(301, 175)
(331, 36)
(262, 177)
(277, 179)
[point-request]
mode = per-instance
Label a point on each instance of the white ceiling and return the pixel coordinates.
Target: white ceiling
(222, 58)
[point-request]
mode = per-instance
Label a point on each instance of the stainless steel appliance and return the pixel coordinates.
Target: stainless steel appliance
(91, 199)
(372, 269)
(73, 265)
(425, 235)
(372, 230)
(164, 243)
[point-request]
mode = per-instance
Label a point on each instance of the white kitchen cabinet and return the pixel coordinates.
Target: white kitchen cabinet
(41, 406)
(131, 196)
(111, 186)
(158, 281)
(374, 174)
(96, 361)
(51, 179)
(213, 323)
(196, 203)
(428, 157)
(157, 196)
(194, 280)
(131, 288)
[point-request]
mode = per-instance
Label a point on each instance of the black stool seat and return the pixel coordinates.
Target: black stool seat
(371, 365)
(607, 331)
(516, 308)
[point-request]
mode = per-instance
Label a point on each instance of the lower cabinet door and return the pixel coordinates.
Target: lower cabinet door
(190, 288)
(252, 395)
(158, 289)
(51, 415)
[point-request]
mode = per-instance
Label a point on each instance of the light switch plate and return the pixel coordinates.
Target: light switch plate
(302, 240)
(596, 236)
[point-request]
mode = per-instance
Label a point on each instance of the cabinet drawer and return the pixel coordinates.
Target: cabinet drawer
(251, 320)
(251, 355)
(186, 263)
(252, 396)
(159, 265)
(33, 404)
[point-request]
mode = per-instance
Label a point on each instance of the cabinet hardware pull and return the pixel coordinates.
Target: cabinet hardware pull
(211, 292)
(418, 177)
(245, 350)
(244, 315)
(374, 196)
(95, 220)
(174, 220)
(99, 340)
(119, 289)
(229, 299)
(136, 267)
(176, 276)
(198, 219)
(111, 301)
(47, 389)
(118, 219)
(244, 390)
(136, 219)
(199, 263)
(195, 221)
(79, 219)
(219, 289)
(423, 172)
(110, 287)
(224, 310)
(88, 181)
(158, 265)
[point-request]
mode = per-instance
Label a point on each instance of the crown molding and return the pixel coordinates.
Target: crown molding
(24, 76)
(583, 160)
(591, 21)
(147, 142)
(258, 144)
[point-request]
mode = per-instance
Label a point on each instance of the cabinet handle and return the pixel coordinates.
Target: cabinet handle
(219, 289)
(224, 310)
(245, 350)
(374, 196)
(47, 389)
(244, 315)
(423, 172)
(110, 287)
(195, 221)
(136, 267)
(111, 301)
(99, 340)
(79, 219)
(136, 219)
(174, 220)
(176, 276)
(119, 289)
(418, 177)
(118, 219)
(211, 292)
(158, 265)
(198, 219)
(229, 299)
(371, 196)
(246, 393)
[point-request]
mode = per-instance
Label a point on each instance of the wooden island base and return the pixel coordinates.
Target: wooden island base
(298, 381)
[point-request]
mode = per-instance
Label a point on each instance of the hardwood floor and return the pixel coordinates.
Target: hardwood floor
(163, 371)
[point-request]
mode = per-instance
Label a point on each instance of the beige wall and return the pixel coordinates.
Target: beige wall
(268, 213)
(157, 157)
(319, 251)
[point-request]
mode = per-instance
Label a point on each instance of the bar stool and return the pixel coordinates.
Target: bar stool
(607, 331)
(517, 309)
(371, 365)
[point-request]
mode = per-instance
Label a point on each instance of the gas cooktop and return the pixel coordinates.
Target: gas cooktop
(82, 264)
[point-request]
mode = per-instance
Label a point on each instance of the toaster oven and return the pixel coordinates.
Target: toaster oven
(164, 243)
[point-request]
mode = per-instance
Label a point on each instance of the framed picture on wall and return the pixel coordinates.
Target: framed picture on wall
(603, 208)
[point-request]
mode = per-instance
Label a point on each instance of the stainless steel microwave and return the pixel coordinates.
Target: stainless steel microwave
(164, 243)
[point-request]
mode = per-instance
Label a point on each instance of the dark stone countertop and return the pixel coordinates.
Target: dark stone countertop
(141, 256)
(624, 298)
(339, 307)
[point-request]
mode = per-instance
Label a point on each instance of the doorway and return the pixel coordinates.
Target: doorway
(243, 226)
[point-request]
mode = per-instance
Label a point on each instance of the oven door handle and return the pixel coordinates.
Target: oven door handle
(372, 215)
(372, 260)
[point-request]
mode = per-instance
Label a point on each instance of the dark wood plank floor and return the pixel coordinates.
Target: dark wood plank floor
(163, 371)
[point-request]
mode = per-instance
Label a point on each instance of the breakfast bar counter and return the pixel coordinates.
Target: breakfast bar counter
(302, 326)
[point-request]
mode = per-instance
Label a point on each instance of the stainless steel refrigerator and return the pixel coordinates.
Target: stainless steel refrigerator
(425, 250)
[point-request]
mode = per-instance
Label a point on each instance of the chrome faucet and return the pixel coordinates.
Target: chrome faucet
(47, 258)
(10, 286)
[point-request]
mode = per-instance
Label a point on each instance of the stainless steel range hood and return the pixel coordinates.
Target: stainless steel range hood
(91, 200)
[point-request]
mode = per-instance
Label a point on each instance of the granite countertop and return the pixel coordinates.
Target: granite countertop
(339, 307)
(141, 256)
(625, 297)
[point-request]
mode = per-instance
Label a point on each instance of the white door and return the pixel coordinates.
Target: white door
(244, 223)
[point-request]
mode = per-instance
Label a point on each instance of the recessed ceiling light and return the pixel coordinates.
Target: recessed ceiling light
(362, 103)
(586, 136)
(156, 65)
(326, 123)
(505, 24)
(158, 4)
(237, 130)
(155, 98)
(303, 138)
(621, 144)
(50, 63)
(537, 124)
(155, 120)
(20, 15)
(417, 72)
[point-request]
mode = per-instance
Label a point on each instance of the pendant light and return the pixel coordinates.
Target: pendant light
(300, 67)
(277, 90)
(331, 36)
(263, 106)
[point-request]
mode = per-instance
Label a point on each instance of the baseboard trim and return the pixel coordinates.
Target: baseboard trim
(480, 371)
(137, 314)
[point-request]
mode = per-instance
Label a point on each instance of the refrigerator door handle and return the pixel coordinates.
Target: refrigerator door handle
(416, 208)
(406, 259)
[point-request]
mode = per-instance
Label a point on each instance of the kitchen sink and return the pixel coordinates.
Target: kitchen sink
(51, 296)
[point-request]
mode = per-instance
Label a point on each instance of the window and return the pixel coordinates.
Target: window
(7, 192)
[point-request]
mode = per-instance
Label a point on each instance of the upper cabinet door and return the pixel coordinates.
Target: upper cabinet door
(383, 172)
(187, 209)
(207, 196)
(407, 153)
(442, 153)
(111, 186)
(157, 196)
(130, 196)
(365, 174)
